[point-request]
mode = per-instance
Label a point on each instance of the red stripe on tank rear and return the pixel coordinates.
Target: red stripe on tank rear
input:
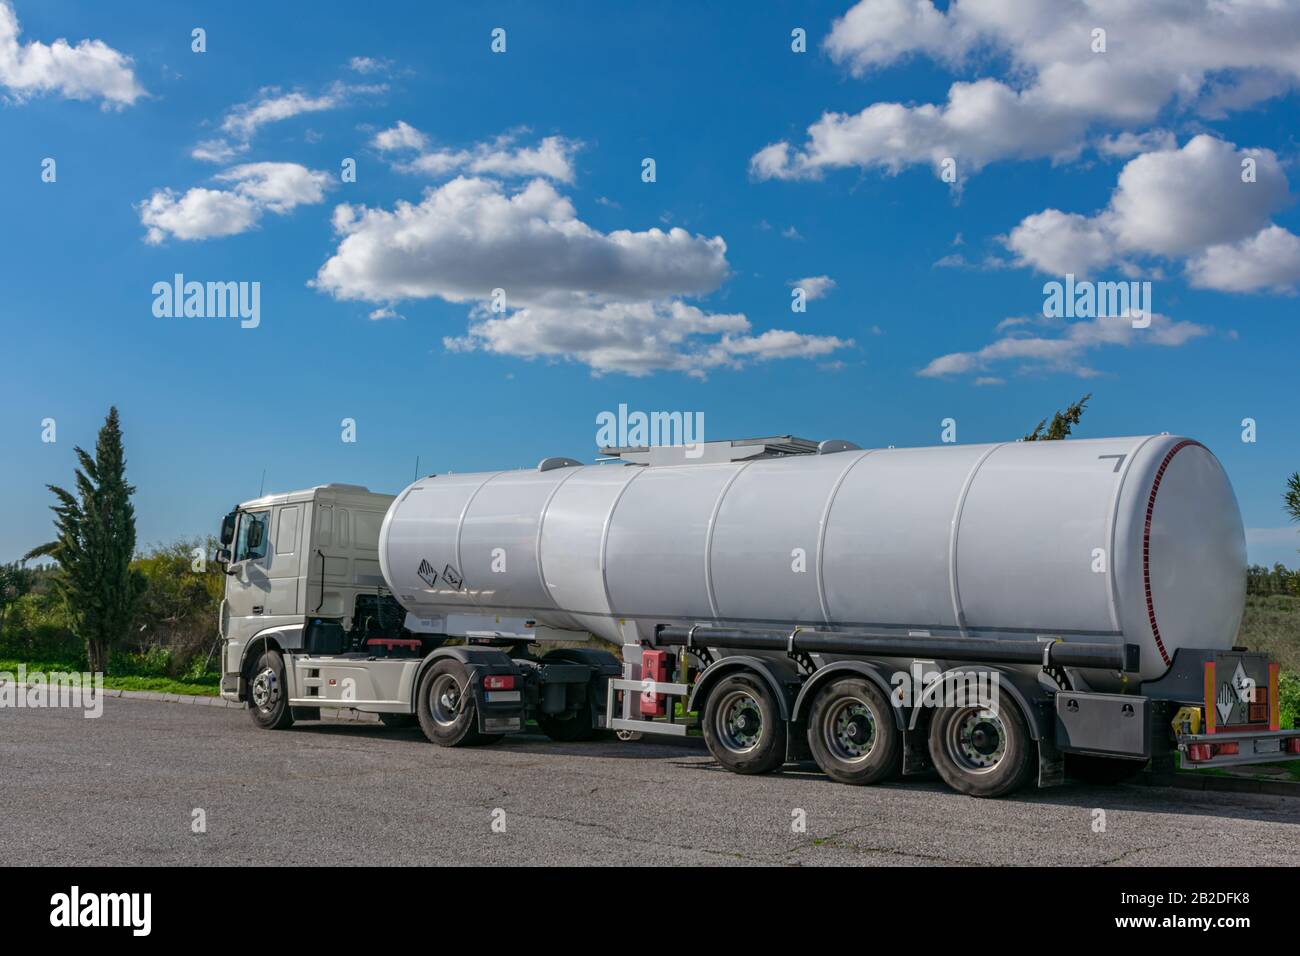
(1146, 544)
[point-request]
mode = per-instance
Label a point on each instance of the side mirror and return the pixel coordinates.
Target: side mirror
(228, 529)
(223, 555)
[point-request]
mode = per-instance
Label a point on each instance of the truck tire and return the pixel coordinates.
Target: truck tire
(268, 698)
(983, 753)
(1087, 768)
(398, 721)
(570, 726)
(743, 726)
(306, 713)
(852, 733)
(445, 706)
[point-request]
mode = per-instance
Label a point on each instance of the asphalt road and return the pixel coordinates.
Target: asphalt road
(123, 789)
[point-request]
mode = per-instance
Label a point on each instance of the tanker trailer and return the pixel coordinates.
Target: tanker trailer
(824, 600)
(999, 613)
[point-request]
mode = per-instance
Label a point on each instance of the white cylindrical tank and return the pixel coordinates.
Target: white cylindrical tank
(1124, 540)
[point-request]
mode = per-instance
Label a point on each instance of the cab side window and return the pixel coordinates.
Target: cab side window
(251, 544)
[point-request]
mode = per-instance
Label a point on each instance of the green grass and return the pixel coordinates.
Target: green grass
(1272, 624)
(208, 687)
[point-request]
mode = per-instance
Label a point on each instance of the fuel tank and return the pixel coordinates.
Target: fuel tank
(1126, 540)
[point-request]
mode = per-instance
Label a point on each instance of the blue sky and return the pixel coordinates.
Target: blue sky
(523, 170)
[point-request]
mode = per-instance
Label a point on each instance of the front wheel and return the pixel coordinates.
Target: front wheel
(981, 751)
(268, 697)
(743, 725)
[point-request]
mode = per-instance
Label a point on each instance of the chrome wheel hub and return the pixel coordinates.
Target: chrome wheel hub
(739, 722)
(849, 730)
(977, 740)
(444, 700)
(265, 689)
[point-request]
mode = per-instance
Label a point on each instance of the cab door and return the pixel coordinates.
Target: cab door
(248, 586)
(285, 561)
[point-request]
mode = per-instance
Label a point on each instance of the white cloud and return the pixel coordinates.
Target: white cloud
(814, 287)
(1201, 57)
(612, 301)
(217, 150)
(1270, 259)
(88, 70)
(255, 188)
(1058, 242)
(198, 214)
(399, 137)
(385, 312)
(278, 186)
(368, 65)
(1179, 201)
(1064, 351)
(273, 105)
(1187, 203)
(1128, 144)
(552, 157)
(635, 338)
(469, 236)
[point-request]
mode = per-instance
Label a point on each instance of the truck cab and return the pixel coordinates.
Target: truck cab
(308, 621)
(302, 569)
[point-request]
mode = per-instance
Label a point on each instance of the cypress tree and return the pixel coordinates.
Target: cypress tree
(94, 546)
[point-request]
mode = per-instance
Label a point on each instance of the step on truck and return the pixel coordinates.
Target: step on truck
(1002, 614)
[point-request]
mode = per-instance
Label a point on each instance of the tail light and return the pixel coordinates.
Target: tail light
(499, 682)
(1293, 745)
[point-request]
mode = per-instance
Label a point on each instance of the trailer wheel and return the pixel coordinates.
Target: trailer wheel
(268, 698)
(1087, 768)
(981, 752)
(445, 706)
(852, 733)
(743, 725)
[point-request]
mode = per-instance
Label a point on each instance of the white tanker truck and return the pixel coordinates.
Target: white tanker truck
(1000, 613)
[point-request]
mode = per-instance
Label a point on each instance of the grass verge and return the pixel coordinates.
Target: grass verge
(209, 687)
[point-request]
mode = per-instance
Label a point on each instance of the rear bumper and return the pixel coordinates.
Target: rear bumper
(1228, 748)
